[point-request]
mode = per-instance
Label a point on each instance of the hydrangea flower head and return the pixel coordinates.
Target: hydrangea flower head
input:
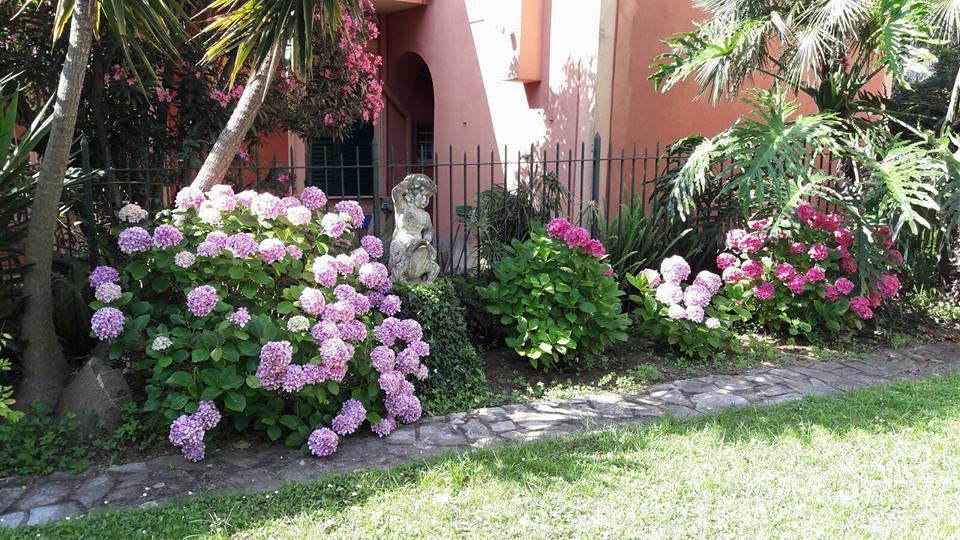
(888, 285)
(372, 245)
(299, 215)
(242, 245)
(726, 260)
(831, 293)
(352, 210)
(166, 236)
(108, 292)
(352, 414)
(815, 274)
(161, 343)
(184, 259)
(107, 323)
(674, 269)
(312, 301)
(784, 271)
(677, 312)
(764, 291)
(390, 305)
(709, 281)
(131, 213)
(844, 285)
(595, 248)
(806, 212)
(271, 250)
(752, 269)
(861, 306)
(698, 296)
(576, 237)
(385, 427)
(333, 225)
(818, 252)
(103, 274)
(797, 284)
(653, 277)
(373, 275)
(134, 240)
(298, 323)
(322, 442)
(202, 300)
(189, 197)
(734, 237)
(695, 314)
(313, 198)
(240, 317)
(275, 358)
(558, 227)
(732, 274)
(267, 206)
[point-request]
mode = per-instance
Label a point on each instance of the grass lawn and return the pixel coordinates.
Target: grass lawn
(881, 462)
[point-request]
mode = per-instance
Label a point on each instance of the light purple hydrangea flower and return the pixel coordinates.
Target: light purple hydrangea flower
(422, 373)
(322, 442)
(419, 348)
(186, 432)
(404, 406)
(221, 190)
(352, 210)
(382, 358)
(324, 330)
(352, 414)
(359, 257)
(391, 382)
(697, 295)
(242, 245)
(373, 275)
(312, 301)
(295, 378)
(107, 292)
(353, 330)
(695, 314)
(333, 225)
(245, 198)
(709, 281)
(267, 206)
(313, 198)
(208, 415)
(134, 240)
(372, 245)
(202, 300)
(218, 239)
(385, 427)
(131, 213)
(290, 202)
(240, 317)
(390, 305)
(184, 259)
(336, 350)
(103, 274)
(166, 236)
(407, 362)
(299, 215)
(189, 197)
(669, 294)
(275, 358)
(207, 249)
(271, 250)
(324, 271)
(338, 311)
(295, 253)
(410, 330)
(107, 323)
(674, 269)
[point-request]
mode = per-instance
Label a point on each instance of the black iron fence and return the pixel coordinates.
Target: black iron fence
(479, 192)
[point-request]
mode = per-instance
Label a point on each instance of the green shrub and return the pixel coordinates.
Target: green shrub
(457, 380)
(559, 301)
(6, 397)
(138, 430)
(40, 444)
(484, 330)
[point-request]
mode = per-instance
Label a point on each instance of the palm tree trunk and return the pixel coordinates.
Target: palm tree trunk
(952, 112)
(218, 161)
(45, 369)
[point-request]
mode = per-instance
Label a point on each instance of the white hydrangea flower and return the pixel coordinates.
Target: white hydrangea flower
(713, 322)
(184, 259)
(161, 343)
(132, 213)
(210, 214)
(299, 215)
(298, 323)
(107, 292)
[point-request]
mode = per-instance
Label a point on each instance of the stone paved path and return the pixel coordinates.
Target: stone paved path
(146, 484)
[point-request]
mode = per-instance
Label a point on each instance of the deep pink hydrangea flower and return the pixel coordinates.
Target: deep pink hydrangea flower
(848, 265)
(831, 293)
(313, 198)
(674, 269)
(888, 285)
(752, 269)
(751, 243)
(107, 323)
(784, 271)
(797, 284)
(758, 224)
(576, 237)
(103, 274)
(595, 248)
(844, 285)
(861, 306)
(734, 237)
(764, 291)
(322, 442)
(797, 248)
(806, 212)
(134, 240)
(818, 252)
(558, 227)
(202, 300)
(726, 260)
(815, 274)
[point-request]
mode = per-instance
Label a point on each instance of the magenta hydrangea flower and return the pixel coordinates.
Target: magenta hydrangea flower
(107, 323)
(848, 265)
(275, 358)
(295, 253)
(888, 285)
(751, 243)
(103, 274)
(674, 269)
(390, 305)
(697, 295)
(734, 237)
(806, 212)
(271, 250)
(333, 225)
(382, 358)
(784, 271)
(352, 414)
(752, 269)
(202, 300)
(844, 285)
(757, 224)
(373, 275)
(815, 274)
(818, 252)
(385, 427)
(242, 245)
(313, 198)
(166, 236)
(709, 281)
(352, 210)
(240, 317)
(322, 442)
(558, 227)
(732, 274)
(134, 240)
(764, 291)
(797, 248)
(576, 237)
(861, 306)
(831, 293)
(595, 248)
(726, 260)
(312, 301)
(299, 215)
(189, 197)
(372, 245)
(267, 206)
(797, 284)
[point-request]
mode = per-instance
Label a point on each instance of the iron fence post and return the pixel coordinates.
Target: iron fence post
(595, 194)
(375, 178)
(89, 226)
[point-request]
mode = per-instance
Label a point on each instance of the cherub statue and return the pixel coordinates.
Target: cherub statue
(412, 256)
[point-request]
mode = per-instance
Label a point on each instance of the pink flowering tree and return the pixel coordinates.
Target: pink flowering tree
(264, 310)
(807, 276)
(556, 295)
(697, 320)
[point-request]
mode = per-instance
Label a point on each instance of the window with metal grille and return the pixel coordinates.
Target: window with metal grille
(343, 168)
(423, 143)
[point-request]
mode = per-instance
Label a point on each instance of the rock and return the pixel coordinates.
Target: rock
(474, 429)
(44, 494)
(439, 434)
(695, 386)
(92, 492)
(95, 395)
(500, 427)
(135, 467)
(53, 512)
(10, 495)
(715, 401)
(11, 520)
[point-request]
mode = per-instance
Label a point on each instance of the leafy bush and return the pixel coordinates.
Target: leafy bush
(802, 278)
(6, 397)
(696, 320)
(483, 329)
(40, 444)
(139, 430)
(220, 300)
(636, 238)
(557, 297)
(457, 380)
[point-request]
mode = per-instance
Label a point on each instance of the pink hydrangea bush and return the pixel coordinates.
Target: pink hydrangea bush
(805, 279)
(556, 294)
(268, 311)
(695, 319)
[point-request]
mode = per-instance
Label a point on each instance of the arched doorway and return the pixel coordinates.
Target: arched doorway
(410, 113)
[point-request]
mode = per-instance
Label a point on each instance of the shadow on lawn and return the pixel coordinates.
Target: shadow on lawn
(881, 409)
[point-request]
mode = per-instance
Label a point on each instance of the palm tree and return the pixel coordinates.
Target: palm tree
(150, 22)
(259, 32)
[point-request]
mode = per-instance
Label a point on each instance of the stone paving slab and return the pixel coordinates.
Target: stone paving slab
(146, 484)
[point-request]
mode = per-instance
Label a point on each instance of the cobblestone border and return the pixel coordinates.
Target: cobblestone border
(63, 496)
